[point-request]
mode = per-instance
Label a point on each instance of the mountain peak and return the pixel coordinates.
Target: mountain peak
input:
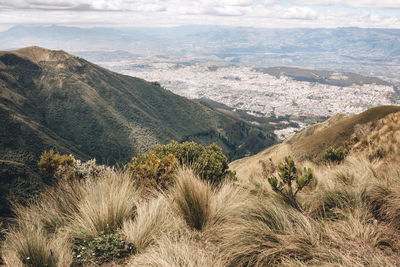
(38, 54)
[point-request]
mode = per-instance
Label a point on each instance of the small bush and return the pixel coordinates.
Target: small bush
(101, 249)
(335, 155)
(157, 167)
(153, 170)
(209, 162)
(289, 181)
(50, 161)
(88, 169)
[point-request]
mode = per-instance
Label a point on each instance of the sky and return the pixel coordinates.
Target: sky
(165, 13)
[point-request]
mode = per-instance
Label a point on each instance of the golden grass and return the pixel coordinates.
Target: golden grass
(154, 219)
(377, 130)
(104, 206)
(266, 233)
(192, 198)
(181, 252)
(350, 218)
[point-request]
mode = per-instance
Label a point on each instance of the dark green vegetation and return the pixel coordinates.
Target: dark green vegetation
(335, 155)
(289, 180)
(323, 76)
(157, 167)
(50, 99)
(101, 249)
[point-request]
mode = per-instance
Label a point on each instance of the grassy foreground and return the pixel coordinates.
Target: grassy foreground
(350, 218)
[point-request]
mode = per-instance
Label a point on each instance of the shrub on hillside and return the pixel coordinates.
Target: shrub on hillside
(153, 170)
(157, 167)
(335, 155)
(50, 161)
(289, 181)
(88, 169)
(67, 167)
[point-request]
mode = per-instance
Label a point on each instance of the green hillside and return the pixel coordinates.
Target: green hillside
(50, 99)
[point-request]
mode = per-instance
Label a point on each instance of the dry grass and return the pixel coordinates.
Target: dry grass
(350, 218)
(373, 131)
(267, 233)
(379, 139)
(154, 220)
(105, 205)
(181, 252)
(29, 245)
(192, 198)
(44, 232)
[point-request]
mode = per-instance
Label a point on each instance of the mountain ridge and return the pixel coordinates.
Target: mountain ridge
(310, 144)
(51, 99)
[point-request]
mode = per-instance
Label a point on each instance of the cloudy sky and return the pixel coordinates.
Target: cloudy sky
(257, 13)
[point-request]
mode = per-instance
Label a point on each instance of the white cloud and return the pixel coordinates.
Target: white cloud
(299, 13)
(268, 2)
(258, 13)
(124, 5)
(288, 13)
(352, 3)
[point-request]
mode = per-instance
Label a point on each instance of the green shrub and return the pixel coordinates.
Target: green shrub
(50, 162)
(101, 249)
(289, 180)
(335, 155)
(156, 168)
(153, 170)
(66, 167)
(209, 162)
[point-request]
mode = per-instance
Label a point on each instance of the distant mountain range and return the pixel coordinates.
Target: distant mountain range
(372, 52)
(51, 99)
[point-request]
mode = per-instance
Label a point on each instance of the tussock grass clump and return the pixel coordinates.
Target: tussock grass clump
(327, 203)
(69, 213)
(228, 203)
(384, 200)
(27, 244)
(268, 233)
(192, 198)
(105, 204)
(153, 220)
(359, 227)
(182, 252)
(56, 207)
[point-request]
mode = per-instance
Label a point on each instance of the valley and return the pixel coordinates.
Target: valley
(263, 92)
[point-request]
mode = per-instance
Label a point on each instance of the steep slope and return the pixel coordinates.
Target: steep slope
(50, 99)
(374, 131)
